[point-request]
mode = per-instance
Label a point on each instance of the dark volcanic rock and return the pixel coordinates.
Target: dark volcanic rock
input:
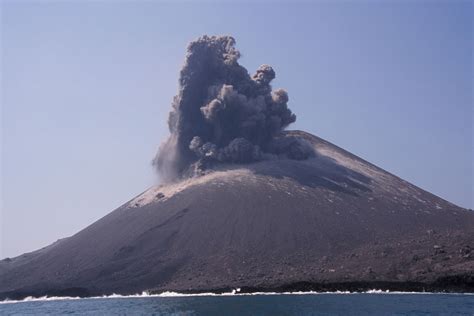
(332, 222)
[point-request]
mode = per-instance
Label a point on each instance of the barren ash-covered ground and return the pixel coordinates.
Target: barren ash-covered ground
(330, 222)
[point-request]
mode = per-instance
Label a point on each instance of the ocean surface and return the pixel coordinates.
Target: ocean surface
(371, 303)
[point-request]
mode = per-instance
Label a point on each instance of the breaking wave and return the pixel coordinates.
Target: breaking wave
(235, 292)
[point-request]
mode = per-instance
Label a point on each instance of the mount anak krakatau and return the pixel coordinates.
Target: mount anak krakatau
(330, 222)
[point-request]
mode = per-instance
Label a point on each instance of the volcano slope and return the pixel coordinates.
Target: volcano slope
(332, 222)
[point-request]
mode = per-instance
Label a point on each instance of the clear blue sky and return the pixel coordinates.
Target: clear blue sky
(86, 88)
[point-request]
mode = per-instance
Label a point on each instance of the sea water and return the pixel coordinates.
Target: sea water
(371, 303)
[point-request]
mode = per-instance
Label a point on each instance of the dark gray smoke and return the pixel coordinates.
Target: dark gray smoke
(222, 114)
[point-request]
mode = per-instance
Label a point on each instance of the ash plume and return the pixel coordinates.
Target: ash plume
(223, 115)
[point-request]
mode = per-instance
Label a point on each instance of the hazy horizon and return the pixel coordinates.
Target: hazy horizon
(86, 90)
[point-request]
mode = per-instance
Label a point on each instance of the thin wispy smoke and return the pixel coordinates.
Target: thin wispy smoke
(222, 114)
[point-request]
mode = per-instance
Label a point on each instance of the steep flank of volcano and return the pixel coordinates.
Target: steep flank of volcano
(333, 221)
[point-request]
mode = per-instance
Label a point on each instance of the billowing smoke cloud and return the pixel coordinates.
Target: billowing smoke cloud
(222, 114)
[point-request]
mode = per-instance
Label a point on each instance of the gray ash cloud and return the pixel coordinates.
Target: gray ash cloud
(223, 115)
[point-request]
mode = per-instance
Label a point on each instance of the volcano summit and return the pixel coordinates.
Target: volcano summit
(222, 114)
(246, 204)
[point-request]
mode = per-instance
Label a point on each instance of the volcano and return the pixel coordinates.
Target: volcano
(329, 222)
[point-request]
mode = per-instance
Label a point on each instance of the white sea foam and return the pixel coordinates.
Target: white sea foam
(235, 292)
(41, 299)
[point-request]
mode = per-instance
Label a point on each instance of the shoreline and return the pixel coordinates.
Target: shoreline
(300, 288)
(226, 294)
